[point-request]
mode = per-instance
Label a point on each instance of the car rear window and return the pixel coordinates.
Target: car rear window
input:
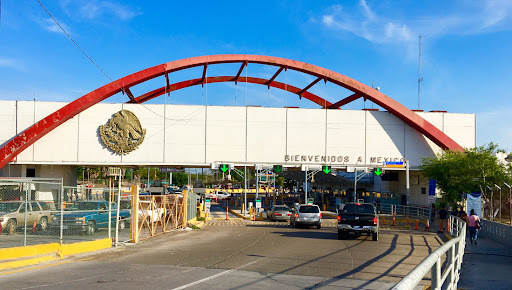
(358, 208)
(281, 208)
(309, 209)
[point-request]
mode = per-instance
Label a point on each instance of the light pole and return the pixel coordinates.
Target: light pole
(500, 200)
(509, 202)
(492, 207)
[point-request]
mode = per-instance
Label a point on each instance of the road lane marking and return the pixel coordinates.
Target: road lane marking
(214, 276)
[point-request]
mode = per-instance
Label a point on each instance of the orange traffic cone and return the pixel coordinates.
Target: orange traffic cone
(416, 225)
(226, 212)
(34, 228)
(383, 220)
(448, 226)
(427, 226)
(394, 221)
(1, 229)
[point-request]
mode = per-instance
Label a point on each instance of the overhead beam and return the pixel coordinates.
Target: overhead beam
(129, 93)
(204, 74)
(274, 76)
(309, 86)
(345, 101)
(235, 79)
(167, 84)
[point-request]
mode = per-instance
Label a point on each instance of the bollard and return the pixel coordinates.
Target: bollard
(448, 226)
(227, 213)
(416, 225)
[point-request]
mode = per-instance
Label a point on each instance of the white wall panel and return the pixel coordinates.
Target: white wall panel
(266, 134)
(273, 133)
(225, 134)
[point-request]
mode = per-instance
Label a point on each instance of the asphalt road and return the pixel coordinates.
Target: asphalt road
(239, 254)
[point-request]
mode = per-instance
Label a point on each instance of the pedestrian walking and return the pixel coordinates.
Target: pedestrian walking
(443, 216)
(462, 214)
(474, 226)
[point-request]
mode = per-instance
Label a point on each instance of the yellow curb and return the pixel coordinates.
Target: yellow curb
(51, 252)
(26, 262)
(28, 251)
(82, 247)
(244, 217)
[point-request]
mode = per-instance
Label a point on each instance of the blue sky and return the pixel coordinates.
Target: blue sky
(466, 67)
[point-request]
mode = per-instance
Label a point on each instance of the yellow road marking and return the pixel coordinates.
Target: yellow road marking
(44, 266)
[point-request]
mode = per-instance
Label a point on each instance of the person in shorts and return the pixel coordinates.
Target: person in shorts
(443, 216)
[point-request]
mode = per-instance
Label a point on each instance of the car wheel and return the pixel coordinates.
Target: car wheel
(91, 227)
(319, 226)
(375, 236)
(341, 235)
(43, 223)
(122, 225)
(11, 227)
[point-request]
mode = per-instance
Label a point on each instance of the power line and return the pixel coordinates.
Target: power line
(67, 34)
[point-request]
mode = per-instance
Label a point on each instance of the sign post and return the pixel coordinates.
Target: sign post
(207, 204)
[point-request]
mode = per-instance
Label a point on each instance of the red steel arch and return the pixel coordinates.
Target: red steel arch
(41, 128)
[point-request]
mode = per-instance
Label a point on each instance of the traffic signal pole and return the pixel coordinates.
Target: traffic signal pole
(306, 187)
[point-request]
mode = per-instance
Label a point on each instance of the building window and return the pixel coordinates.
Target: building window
(31, 172)
(423, 190)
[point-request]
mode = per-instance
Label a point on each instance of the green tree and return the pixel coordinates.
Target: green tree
(469, 171)
(180, 178)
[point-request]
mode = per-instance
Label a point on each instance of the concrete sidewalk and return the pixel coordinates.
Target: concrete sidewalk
(487, 265)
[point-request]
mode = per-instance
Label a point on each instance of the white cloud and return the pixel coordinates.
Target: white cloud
(92, 9)
(11, 63)
(482, 17)
(49, 25)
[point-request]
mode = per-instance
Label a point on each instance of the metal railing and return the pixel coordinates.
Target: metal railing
(420, 212)
(444, 264)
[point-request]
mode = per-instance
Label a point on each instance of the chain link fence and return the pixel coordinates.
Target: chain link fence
(40, 211)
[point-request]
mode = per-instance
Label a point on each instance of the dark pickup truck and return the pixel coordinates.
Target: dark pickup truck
(357, 219)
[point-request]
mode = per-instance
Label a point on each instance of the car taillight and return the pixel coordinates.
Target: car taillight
(320, 215)
(289, 214)
(297, 215)
(339, 218)
(375, 220)
(278, 214)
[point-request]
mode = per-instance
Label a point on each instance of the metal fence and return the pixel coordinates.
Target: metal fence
(497, 231)
(417, 212)
(444, 264)
(39, 211)
(158, 214)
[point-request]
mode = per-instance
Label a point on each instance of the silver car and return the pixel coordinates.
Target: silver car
(12, 215)
(279, 213)
(307, 215)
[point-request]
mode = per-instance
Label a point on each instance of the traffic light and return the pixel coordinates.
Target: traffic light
(378, 171)
(277, 168)
(326, 169)
(224, 167)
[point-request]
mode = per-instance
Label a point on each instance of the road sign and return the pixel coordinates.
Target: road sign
(311, 200)
(431, 198)
(377, 171)
(224, 167)
(207, 204)
(431, 187)
(326, 169)
(258, 203)
(278, 168)
(393, 164)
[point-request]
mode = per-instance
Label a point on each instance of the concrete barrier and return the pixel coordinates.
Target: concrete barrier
(496, 231)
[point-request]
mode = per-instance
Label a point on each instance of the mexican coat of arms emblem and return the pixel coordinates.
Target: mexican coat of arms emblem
(122, 133)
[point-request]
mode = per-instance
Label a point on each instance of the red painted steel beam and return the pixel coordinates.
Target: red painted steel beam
(204, 74)
(26, 138)
(308, 86)
(345, 101)
(167, 83)
(274, 76)
(220, 79)
(235, 79)
(129, 93)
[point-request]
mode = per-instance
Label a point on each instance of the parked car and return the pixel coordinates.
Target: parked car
(307, 215)
(88, 216)
(12, 215)
(357, 219)
(279, 213)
